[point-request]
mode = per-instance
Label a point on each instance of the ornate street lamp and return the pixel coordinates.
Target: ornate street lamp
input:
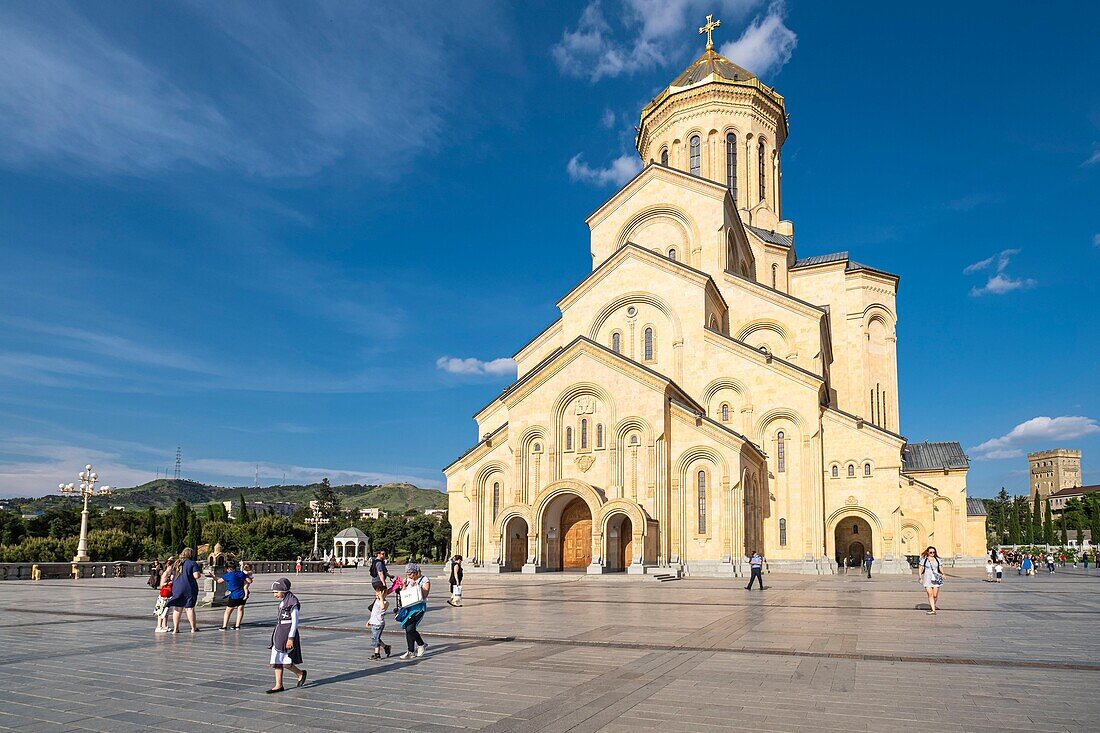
(317, 520)
(87, 489)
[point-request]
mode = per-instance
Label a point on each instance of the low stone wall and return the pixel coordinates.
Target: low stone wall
(70, 570)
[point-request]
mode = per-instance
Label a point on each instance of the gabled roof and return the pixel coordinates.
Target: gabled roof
(654, 168)
(975, 507)
(933, 457)
(850, 264)
(783, 240)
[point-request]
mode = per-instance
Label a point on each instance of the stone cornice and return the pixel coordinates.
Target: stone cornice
(857, 423)
(698, 184)
(772, 362)
(478, 451)
(715, 430)
(552, 330)
(634, 251)
(762, 101)
(778, 297)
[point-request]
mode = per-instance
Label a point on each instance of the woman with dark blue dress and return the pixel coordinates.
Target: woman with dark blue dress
(185, 590)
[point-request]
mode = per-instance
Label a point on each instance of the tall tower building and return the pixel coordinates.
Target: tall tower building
(1054, 470)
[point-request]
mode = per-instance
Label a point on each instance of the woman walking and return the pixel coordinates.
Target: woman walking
(456, 582)
(412, 610)
(286, 643)
(185, 590)
(164, 584)
(931, 576)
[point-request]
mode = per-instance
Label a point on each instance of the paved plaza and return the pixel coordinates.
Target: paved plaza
(569, 652)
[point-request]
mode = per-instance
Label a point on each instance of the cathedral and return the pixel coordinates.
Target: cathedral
(706, 392)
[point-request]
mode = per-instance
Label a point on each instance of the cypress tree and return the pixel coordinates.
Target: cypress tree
(1037, 520)
(1094, 519)
(242, 515)
(1065, 540)
(1048, 524)
(151, 523)
(1026, 532)
(1080, 536)
(1013, 510)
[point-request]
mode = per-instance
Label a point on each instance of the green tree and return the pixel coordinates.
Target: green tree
(1048, 525)
(1094, 516)
(1080, 536)
(1037, 520)
(1013, 510)
(12, 528)
(1027, 534)
(242, 515)
(328, 502)
(151, 522)
(1063, 523)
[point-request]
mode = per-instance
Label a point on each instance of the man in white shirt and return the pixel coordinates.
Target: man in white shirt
(756, 566)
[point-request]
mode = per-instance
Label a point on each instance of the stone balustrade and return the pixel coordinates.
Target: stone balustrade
(69, 570)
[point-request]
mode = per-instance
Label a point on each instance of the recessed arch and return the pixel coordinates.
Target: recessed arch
(636, 297)
(674, 217)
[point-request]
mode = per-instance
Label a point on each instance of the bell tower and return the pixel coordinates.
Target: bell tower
(717, 120)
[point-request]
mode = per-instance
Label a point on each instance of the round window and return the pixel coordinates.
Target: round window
(632, 311)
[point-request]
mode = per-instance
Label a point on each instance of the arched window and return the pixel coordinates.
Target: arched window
(836, 472)
(537, 448)
(664, 157)
(782, 532)
(855, 529)
(617, 342)
(775, 275)
(634, 440)
(725, 412)
(851, 470)
(866, 469)
(672, 254)
(649, 344)
(694, 155)
(763, 169)
(496, 499)
(731, 165)
(702, 482)
(599, 435)
(781, 452)
(569, 438)
(584, 434)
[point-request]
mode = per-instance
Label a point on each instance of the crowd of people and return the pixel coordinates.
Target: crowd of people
(177, 584)
(1028, 563)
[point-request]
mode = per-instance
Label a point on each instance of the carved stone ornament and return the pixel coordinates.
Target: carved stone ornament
(852, 501)
(585, 462)
(586, 405)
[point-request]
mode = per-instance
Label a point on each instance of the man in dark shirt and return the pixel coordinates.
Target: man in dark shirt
(378, 571)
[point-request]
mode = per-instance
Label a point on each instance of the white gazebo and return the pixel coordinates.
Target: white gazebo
(351, 544)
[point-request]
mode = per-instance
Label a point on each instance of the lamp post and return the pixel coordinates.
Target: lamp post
(317, 520)
(87, 489)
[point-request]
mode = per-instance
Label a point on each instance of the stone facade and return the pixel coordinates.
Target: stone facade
(705, 392)
(1054, 470)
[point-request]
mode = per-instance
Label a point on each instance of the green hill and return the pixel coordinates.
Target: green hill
(162, 493)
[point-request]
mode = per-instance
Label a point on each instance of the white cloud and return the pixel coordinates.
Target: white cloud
(1096, 240)
(1035, 433)
(999, 282)
(617, 172)
(608, 118)
(766, 44)
(496, 367)
(1093, 159)
(655, 33)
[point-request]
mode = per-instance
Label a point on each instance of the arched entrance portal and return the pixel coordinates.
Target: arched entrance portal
(853, 540)
(515, 543)
(576, 536)
(620, 542)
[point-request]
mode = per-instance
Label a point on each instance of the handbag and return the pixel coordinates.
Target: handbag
(411, 595)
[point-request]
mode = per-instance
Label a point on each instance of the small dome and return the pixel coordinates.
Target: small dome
(352, 533)
(711, 63)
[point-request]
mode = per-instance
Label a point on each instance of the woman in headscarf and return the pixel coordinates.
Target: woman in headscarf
(286, 643)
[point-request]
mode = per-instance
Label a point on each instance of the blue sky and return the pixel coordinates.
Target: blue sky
(304, 236)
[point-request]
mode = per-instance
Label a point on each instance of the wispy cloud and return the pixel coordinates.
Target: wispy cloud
(972, 201)
(320, 81)
(617, 172)
(502, 367)
(766, 44)
(608, 118)
(1093, 159)
(654, 33)
(1096, 240)
(1036, 433)
(999, 282)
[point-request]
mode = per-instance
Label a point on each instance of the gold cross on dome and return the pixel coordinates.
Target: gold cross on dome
(708, 29)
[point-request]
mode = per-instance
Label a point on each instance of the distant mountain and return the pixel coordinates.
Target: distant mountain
(162, 493)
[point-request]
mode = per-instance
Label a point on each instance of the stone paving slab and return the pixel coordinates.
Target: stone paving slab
(573, 653)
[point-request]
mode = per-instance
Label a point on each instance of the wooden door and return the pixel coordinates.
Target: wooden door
(576, 536)
(626, 544)
(517, 549)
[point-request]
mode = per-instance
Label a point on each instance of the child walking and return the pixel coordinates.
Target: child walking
(286, 643)
(377, 622)
(160, 610)
(236, 593)
(989, 571)
(999, 570)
